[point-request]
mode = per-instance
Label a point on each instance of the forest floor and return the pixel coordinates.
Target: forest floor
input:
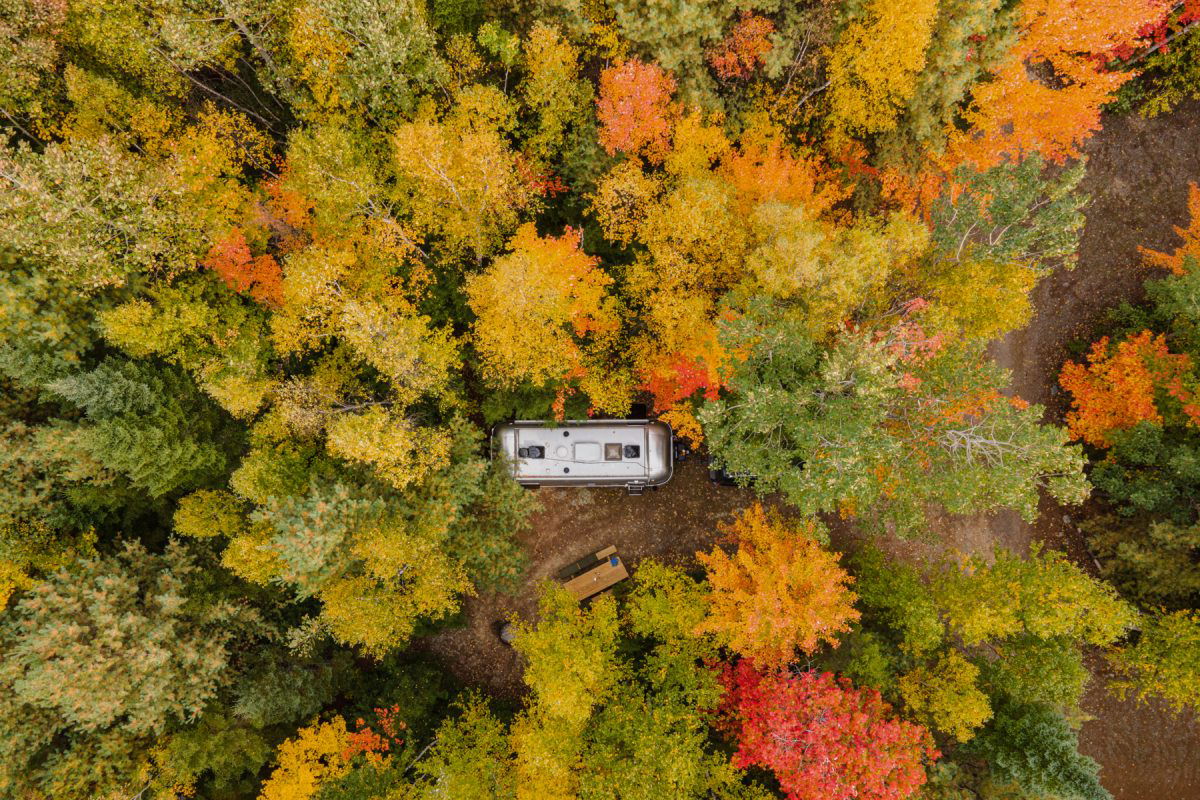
(1138, 173)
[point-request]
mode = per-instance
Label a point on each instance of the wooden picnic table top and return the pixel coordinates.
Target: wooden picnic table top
(598, 578)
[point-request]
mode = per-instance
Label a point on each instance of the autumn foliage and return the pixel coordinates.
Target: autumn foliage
(272, 273)
(635, 111)
(765, 169)
(1046, 96)
(823, 738)
(781, 592)
(1128, 384)
(313, 756)
(1157, 34)
(548, 285)
(682, 377)
(258, 276)
(376, 740)
(873, 70)
(742, 50)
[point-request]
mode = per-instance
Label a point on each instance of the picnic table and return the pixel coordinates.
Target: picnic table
(598, 578)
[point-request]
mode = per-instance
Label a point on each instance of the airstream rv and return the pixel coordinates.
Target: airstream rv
(632, 454)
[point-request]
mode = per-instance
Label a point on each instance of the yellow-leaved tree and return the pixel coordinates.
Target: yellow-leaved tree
(552, 90)
(874, 67)
(543, 312)
(572, 669)
(976, 299)
(314, 755)
(828, 270)
(755, 216)
(462, 180)
(945, 696)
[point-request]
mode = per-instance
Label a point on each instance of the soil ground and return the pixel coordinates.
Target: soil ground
(1137, 178)
(670, 524)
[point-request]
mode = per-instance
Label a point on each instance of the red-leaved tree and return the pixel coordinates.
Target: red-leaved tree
(681, 377)
(635, 110)
(823, 739)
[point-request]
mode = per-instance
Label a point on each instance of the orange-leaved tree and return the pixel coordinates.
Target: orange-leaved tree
(375, 744)
(1189, 247)
(1134, 382)
(781, 591)
(635, 110)
(258, 276)
(1046, 96)
(743, 48)
(765, 169)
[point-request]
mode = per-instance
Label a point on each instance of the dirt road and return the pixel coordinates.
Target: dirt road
(1138, 174)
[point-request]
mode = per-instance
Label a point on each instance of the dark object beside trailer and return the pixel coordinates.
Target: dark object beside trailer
(723, 477)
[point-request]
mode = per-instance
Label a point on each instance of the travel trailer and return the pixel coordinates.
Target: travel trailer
(629, 454)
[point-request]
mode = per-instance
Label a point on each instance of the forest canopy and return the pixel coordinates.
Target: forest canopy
(272, 269)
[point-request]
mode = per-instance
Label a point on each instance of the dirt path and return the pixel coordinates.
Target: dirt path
(1146, 752)
(1137, 179)
(1138, 173)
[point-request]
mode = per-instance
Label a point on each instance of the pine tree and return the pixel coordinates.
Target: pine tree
(1035, 748)
(149, 423)
(103, 656)
(133, 646)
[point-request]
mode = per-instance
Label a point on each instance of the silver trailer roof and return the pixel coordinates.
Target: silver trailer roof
(588, 452)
